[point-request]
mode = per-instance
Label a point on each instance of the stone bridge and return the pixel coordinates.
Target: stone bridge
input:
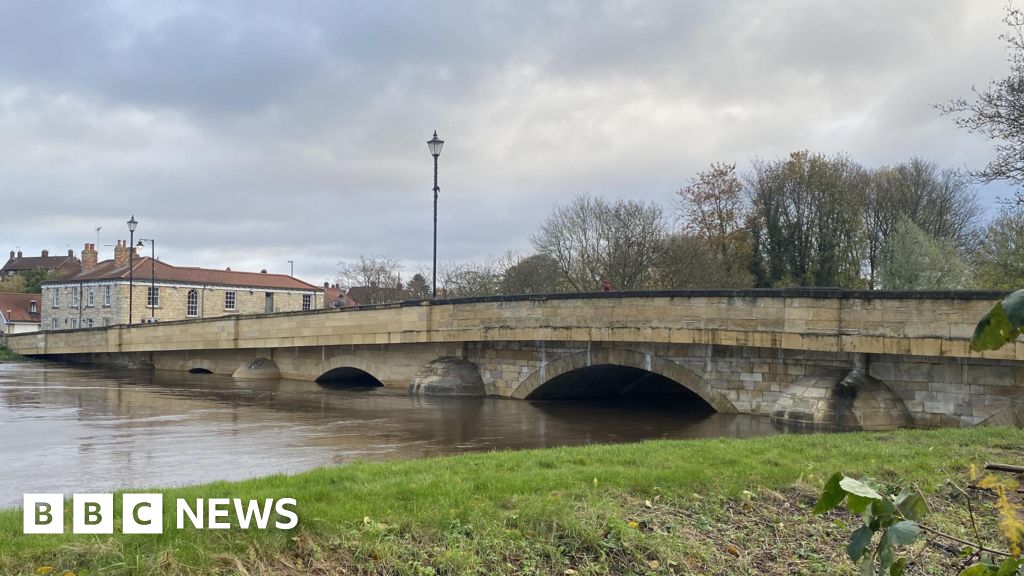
(748, 351)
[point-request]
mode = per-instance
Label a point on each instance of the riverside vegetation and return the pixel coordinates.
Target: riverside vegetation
(712, 506)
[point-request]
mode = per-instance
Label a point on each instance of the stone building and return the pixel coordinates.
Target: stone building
(99, 294)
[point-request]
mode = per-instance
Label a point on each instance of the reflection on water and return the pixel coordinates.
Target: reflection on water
(66, 429)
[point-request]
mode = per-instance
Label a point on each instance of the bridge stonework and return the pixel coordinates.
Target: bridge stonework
(739, 351)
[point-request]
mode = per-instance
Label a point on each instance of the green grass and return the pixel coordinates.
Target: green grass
(7, 356)
(701, 506)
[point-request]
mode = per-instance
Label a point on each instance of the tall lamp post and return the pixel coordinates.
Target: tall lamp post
(152, 273)
(131, 264)
(435, 145)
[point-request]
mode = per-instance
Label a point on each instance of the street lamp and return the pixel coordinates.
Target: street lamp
(152, 273)
(131, 263)
(435, 145)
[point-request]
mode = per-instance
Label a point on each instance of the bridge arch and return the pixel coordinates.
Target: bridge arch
(533, 384)
(347, 371)
(199, 366)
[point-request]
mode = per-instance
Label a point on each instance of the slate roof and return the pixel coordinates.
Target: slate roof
(19, 305)
(163, 272)
(25, 263)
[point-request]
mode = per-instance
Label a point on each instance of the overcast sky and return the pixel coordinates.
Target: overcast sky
(248, 133)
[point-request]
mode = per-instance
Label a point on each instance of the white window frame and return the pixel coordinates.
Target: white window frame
(74, 297)
(152, 291)
(90, 297)
(192, 304)
(56, 297)
(307, 302)
(230, 300)
(53, 324)
(74, 323)
(106, 295)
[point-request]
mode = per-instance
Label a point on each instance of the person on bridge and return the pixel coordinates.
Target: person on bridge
(606, 285)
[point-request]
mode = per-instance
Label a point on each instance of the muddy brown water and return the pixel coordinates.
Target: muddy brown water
(67, 429)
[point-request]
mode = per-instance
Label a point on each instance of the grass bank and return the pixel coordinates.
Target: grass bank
(7, 356)
(666, 507)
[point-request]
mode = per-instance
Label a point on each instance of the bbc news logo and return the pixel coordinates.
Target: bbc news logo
(144, 513)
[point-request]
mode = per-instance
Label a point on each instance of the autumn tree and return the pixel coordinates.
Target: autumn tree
(806, 220)
(999, 259)
(915, 260)
(591, 239)
(712, 210)
(940, 202)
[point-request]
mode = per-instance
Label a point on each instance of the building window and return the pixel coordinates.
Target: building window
(153, 296)
(307, 301)
(106, 321)
(192, 309)
(53, 323)
(229, 300)
(106, 296)
(74, 297)
(32, 307)
(56, 297)
(87, 322)
(90, 296)
(74, 323)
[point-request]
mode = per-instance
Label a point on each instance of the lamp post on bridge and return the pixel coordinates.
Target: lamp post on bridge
(152, 274)
(435, 145)
(132, 224)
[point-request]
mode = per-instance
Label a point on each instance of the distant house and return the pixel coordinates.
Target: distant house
(98, 295)
(336, 297)
(62, 265)
(362, 295)
(19, 313)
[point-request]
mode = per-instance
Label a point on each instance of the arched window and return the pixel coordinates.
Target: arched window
(192, 309)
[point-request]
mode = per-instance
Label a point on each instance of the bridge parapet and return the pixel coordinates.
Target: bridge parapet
(913, 323)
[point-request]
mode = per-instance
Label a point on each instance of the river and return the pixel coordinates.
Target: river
(67, 429)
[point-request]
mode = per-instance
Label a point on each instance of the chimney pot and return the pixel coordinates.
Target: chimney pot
(12, 254)
(46, 253)
(264, 271)
(89, 257)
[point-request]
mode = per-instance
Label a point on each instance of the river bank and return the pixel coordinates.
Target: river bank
(693, 506)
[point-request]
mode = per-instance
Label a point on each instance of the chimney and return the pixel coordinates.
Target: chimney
(89, 257)
(19, 253)
(264, 271)
(327, 284)
(71, 253)
(121, 254)
(46, 253)
(12, 254)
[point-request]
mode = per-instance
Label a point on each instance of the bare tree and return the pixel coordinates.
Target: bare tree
(591, 239)
(467, 279)
(373, 278)
(997, 111)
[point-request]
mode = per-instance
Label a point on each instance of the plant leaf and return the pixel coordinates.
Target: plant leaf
(1008, 567)
(1000, 325)
(859, 541)
(858, 504)
(911, 505)
(867, 565)
(898, 567)
(978, 569)
(832, 496)
(859, 488)
(903, 533)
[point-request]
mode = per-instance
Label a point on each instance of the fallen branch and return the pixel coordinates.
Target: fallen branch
(1005, 468)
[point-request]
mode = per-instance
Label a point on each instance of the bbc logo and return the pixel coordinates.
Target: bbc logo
(93, 513)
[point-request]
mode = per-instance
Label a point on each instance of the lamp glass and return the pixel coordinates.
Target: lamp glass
(132, 224)
(435, 145)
